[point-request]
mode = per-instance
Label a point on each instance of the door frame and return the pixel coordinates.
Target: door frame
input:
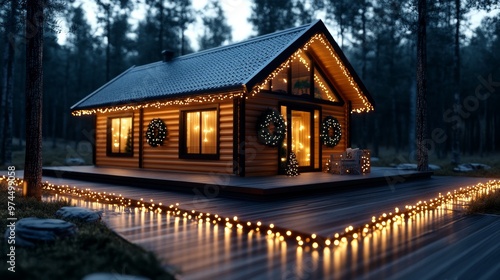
(315, 149)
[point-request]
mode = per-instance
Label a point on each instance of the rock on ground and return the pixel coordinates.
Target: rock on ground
(467, 167)
(413, 166)
(78, 213)
(30, 231)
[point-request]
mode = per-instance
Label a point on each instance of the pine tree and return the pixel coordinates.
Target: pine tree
(216, 30)
(116, 27)
(34, 91)
(292, 166)
(7, 89)
(129, 144)
(272, 15)
(422, 152)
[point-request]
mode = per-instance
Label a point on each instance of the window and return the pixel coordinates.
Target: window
(200, 134)
(120, 136)
(304, 77)
(321, 88)
(280, 82)
(301, 76)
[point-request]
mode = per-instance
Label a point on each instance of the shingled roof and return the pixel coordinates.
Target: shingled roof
(239, 66)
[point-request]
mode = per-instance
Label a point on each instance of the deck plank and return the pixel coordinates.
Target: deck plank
(228, 185)
(445, 244)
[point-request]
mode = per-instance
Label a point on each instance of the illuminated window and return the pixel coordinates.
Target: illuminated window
(321, 88)
(280, 82)
(120, 136)
(301, 76)
(199, 134)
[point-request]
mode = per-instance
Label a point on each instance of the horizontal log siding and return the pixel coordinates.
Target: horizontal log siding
(166, 157)
(339, 113)
(101, 133)
(262, 160)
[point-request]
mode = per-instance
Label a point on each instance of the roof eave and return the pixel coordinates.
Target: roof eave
(75, 106)
(275, 62)
(132, 102)
(349, 67)
(317, 27)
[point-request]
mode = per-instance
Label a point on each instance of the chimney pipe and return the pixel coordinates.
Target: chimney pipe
(167, 55)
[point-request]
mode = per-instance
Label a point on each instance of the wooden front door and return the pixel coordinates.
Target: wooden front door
(301, 138)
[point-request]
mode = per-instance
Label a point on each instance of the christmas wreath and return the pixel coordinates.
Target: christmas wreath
(271, 128)
(157, 132)
(330, 139)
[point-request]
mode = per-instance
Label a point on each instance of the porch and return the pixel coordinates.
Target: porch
(228, 185)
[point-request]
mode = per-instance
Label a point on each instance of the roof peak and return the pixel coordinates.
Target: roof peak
(249, 40)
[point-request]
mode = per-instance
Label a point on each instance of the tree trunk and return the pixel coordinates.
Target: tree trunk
(456, 78)
(421, 125)
(3, 92)
(9, 109)
(482, 120)
(108, 44)
(54, 124)
(364, 50)
(34, 93)
(161, 27)
(411, 128)
(7, 90)
(64, 135)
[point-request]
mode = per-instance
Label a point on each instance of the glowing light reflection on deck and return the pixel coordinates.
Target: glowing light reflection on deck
(400, 234)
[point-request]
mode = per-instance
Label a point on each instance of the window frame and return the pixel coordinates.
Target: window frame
(315, 66)
(183, 154)
(109, 150)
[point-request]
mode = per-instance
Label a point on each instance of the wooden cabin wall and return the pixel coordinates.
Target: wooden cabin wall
(343, 117)
(262, 160)
(166, 157)
(101, 141)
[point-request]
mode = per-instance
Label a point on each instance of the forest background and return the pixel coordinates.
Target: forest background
(378, 37)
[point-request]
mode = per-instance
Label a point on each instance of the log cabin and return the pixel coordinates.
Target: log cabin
(240, 109)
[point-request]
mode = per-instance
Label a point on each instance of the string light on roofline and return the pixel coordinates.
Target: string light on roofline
(463, 195)
(367, 106)
(210, 98)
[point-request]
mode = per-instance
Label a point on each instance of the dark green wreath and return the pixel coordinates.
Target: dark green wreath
(157, 132)
(330, 139)
(264, 134)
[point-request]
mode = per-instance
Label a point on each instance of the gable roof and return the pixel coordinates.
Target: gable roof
(235, 67)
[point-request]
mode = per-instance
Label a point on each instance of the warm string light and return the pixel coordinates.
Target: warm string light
(386, 219)
(367, 106)
(465, 195)
(156, 133)
(365, 162)
(264, 133)
(330, 123)
(292, 167)
(324, 88)
(282, 234)
(160, 104)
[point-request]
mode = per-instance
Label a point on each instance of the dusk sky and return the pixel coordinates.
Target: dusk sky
(237, 14)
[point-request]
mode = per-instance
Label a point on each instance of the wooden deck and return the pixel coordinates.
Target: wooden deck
(440, 244)
(227, 185)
